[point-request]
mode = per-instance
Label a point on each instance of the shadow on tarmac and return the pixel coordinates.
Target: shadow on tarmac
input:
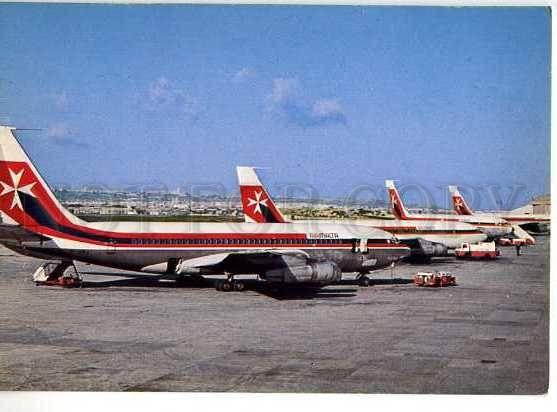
(272, 291)
(303, 293)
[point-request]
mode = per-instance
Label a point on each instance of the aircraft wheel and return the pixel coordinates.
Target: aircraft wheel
(365, 281)
(223, 286)
(239, 286)
(226, 286)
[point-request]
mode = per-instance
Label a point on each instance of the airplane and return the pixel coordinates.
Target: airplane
(531, 222)
(494, 227)
(34, 223)
(425, 239)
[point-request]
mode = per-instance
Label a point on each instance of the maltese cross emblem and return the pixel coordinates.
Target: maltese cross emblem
(257, 202)
(16, 189)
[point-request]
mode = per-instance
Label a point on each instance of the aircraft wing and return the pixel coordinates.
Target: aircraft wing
(236, 262)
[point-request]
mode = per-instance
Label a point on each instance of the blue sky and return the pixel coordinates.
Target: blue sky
(332, 97)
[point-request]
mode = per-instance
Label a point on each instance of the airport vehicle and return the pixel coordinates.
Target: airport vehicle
(434, 279)
(426, 239)
(506, 241)
(482, 250)
(492, 226)
(533, 222)
(35, 223)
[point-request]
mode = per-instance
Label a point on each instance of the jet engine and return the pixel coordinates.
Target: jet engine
(316, 272)
(421, 249)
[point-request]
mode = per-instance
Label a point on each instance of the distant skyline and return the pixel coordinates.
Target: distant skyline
(328, 97)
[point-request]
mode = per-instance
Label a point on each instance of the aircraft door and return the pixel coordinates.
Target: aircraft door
(360, 246)
(363, 246)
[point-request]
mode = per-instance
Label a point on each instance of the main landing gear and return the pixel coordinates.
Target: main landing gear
(364, 281)
(229, 285)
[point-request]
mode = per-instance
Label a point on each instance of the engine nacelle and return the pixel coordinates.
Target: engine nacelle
(434, 249)
(314, 272)
(421, 249)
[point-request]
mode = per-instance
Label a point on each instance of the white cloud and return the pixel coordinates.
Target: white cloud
(304, 112)
(243, 75)
(61, 135)
(160, 91)
(163, 94)
(58, 130)
(284, 89)
(323, 108)
(61, 100)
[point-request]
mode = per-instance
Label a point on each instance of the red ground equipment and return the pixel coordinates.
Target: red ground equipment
(62, 274)
(512, 242)
(64, 281)
(434, 279)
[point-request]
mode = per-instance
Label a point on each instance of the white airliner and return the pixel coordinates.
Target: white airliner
(533, 222)
(492, 226)
(34, 223)
(426, 239)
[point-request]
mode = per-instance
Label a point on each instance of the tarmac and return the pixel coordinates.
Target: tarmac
(128, 332)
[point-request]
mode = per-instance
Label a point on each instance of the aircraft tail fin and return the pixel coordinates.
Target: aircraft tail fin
(256, 202)
(395, 201)
(25, 198)
(459, 204)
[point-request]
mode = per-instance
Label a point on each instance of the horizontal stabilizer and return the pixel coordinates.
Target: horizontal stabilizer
(15, 233)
